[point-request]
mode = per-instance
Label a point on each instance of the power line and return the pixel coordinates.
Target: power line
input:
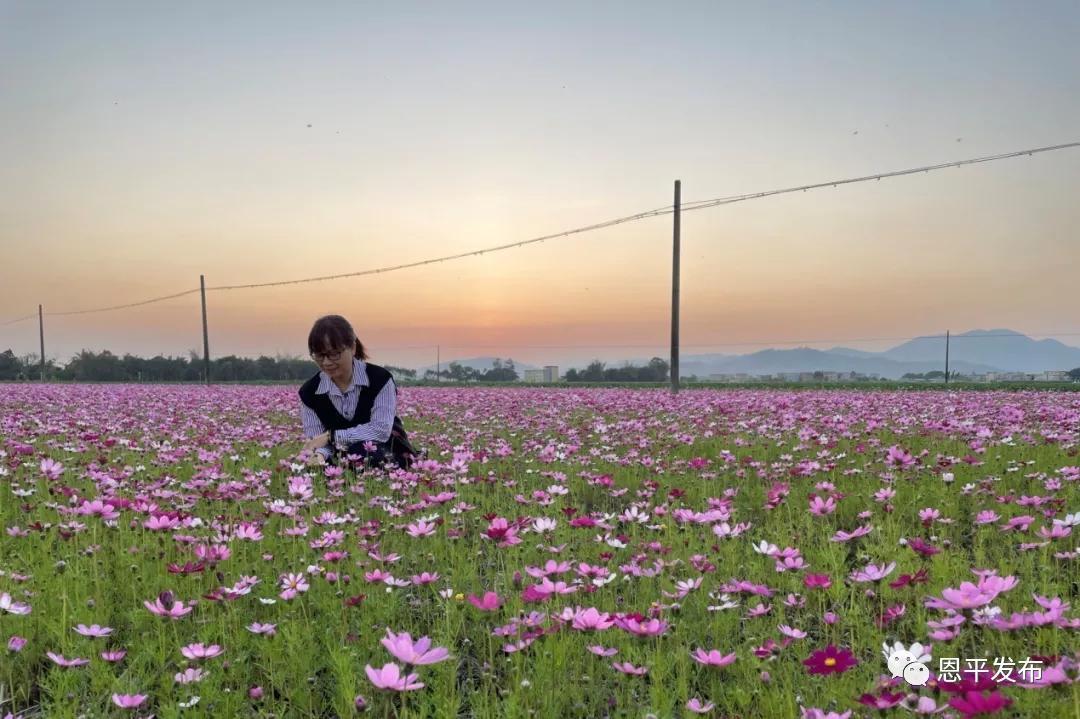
(21, 319)
(701, 204)
(597, 226)
(121, 307)
(665, 210)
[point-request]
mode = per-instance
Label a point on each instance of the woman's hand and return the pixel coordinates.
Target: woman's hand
(319, 440)
(317, 459)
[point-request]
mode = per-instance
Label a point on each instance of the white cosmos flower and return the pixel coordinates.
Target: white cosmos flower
(765, 548)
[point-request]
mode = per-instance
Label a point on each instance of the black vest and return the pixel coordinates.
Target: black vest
(328, 414)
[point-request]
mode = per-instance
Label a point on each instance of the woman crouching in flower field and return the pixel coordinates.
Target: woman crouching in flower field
(349, 407)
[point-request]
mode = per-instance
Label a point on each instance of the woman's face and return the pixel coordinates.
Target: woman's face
(337, 362)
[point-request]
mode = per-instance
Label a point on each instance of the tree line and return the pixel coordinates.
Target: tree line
(104, 366)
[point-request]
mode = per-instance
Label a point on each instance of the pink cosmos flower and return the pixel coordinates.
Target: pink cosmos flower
(161, 523)
(267, 629)
(647, 628)
(489, 603)
(873, 573)
(128, 701)
(93, 630)
(191, 675)
(822, 507)
(97, 508)
(592, 619)
(842, 536)
(546, 586)
(967, 596)
(293, 584)
(628, 668)
(815, 713)
(501, 531)
(898, 457)
(425, 578)
(61, 661)
(602, 651)
(713, 657)
(419, 652)
(51, 468)
(421, 529)
(249, 532)
(113, 655)
(390, 677)
(16, 643)
(792, 632)
(7, 604)
(695, 705)
(174, 609)
(196, 652)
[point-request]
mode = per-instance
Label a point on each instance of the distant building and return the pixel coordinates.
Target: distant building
(1054, 376)
(551, 373)
(731, 377)
(534, 375)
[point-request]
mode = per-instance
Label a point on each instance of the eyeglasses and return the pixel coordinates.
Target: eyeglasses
(321, 357)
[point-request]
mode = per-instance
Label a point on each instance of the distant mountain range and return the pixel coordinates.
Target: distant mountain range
(977, 351)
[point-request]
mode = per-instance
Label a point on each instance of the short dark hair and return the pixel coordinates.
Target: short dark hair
(334, 333)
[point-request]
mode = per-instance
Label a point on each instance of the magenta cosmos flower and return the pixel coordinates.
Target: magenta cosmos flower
(406, 650)
(390, 677)
(830, 660)
(980, 703)
(489, 603)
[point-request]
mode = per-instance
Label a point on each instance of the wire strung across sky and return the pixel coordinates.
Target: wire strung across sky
(666, 210)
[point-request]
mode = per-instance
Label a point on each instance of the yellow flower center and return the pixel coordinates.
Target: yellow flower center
(830, 662)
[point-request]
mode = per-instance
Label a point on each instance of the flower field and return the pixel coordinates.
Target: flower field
(558, 553)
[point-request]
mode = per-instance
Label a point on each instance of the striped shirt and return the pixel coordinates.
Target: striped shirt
(382, 411)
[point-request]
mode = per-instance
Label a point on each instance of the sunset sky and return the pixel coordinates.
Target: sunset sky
(144, 144)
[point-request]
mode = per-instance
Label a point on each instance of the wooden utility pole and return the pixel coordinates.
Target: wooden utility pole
(675, 295)
(205, 333)
(41, 335)
(946, 356)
